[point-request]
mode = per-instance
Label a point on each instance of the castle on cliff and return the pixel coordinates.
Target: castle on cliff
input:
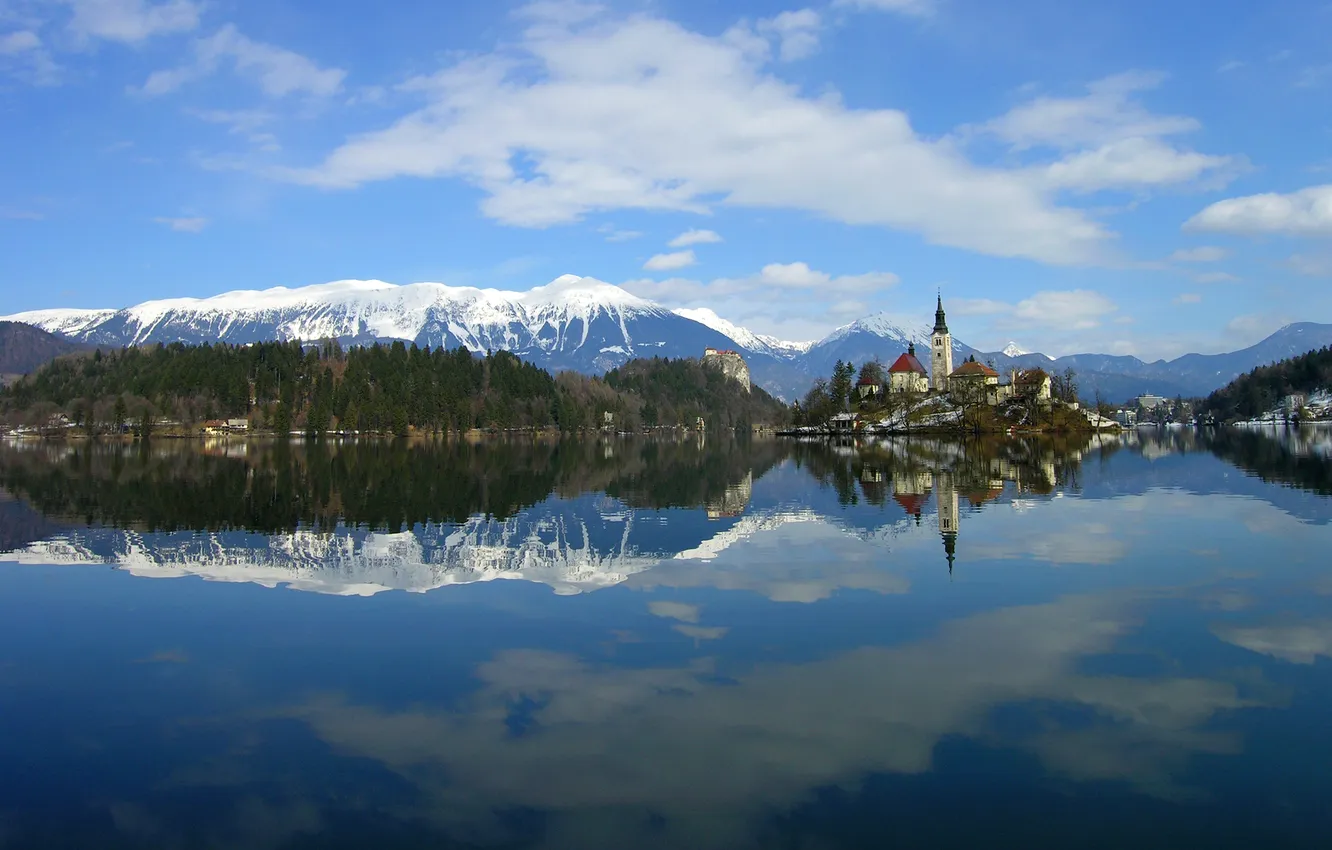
(731, 364)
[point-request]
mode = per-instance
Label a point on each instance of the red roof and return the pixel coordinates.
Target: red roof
(867, 381)
(907, 363)
(1032, 376)
(912, 503)
(974, 367)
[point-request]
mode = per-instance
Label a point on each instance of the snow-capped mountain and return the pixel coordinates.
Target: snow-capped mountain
(743, 337)
(879, 336)
(584, 324)
(572, 322)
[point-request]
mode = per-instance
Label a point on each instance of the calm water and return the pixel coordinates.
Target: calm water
(661, 644)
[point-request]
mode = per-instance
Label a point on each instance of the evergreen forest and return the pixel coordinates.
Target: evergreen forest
(380, 389)
(1265, 388)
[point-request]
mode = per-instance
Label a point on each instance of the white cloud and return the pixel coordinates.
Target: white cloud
(666, 262)
(23, 54)
(242, 122)
(1215, 277)
(1232, 65)
(277, 71)
(1313, 265)
(1104, 115)
(977, 307)
(639, 113)
(184, 225)
(1109, 140)
(1201, 254)
(1188, 298)
(132, 21)
(614, 234)
(797, 33)
(14, 43)
(1077, 309)
(1250, 328)
(801, 276)
(694, 237)
(1307, 212)
(919, 8)
(1132, 162)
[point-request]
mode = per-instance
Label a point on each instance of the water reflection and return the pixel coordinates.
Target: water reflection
(359, 518)
(895, 642)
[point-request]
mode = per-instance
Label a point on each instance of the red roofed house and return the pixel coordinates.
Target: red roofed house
(907, 375)
(868, 388)
(974, 373)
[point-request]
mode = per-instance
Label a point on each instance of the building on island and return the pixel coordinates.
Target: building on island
(907, 375)
(1150, 402)
(1029, 384)
(1033, 383)
(941, 351)
(868, 388)
(973, 373)
(844, 423)
(731, 364)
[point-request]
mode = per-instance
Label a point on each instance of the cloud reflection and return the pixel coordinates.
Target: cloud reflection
(615, 746)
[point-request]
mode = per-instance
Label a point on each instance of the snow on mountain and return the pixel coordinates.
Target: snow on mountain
(882, 325)
(572, 547)
(878, 336)
(743, 337)
(590, 326)
(571, 322)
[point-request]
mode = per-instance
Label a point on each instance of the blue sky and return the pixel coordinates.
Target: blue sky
(1127, 176)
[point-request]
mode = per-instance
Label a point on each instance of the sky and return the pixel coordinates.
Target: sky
(1120, 176)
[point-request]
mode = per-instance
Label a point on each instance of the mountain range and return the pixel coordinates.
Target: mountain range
(586, 325)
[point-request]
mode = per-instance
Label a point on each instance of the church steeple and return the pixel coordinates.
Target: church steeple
(941, 351)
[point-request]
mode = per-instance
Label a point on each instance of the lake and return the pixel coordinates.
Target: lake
(692, 642)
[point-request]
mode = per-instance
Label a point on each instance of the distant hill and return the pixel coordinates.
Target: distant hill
(24, 348)
(1263, 389)
(1121, 377)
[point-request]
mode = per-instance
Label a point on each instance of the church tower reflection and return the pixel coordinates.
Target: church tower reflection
(946, 493)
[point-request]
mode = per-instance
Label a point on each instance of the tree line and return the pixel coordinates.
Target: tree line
(380, 485)
(1265, 388)
(384, 389)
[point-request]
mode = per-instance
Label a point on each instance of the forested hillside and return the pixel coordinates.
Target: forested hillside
(672, 391)
(1265, 388)
(24, 348)
(380, 389)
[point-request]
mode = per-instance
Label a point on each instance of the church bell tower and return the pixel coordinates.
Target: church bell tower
(941, 351)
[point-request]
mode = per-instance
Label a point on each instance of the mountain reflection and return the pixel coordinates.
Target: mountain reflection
(790, 644)
(362, 517)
